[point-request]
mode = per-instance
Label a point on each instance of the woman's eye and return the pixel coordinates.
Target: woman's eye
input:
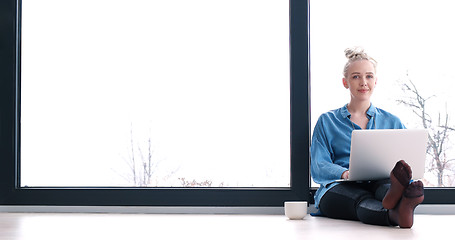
(355, 77)
(370, 76)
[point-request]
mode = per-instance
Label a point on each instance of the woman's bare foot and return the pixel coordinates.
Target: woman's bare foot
(399, 179)
(403, 213)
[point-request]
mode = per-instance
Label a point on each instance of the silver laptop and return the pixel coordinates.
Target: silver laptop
(374, 153)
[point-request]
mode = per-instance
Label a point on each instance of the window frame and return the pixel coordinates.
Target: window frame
(11, 193)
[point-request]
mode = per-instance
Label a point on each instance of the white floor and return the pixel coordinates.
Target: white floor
(66, 226)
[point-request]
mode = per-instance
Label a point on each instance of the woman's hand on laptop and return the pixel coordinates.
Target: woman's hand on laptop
(345, 175)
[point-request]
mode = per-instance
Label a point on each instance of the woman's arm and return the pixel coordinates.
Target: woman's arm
(323, 168)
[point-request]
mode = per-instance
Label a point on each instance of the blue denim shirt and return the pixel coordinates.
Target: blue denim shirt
(331, 144)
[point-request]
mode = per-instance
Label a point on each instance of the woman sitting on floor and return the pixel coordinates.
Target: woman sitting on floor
(389, 202)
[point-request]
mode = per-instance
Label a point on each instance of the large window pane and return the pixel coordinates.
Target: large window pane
(412, 42)
(155, 93)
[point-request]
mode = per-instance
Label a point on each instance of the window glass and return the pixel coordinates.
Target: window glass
(155, 93)
(413, 44)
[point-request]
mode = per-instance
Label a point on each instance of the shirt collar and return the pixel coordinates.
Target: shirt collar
(370, 112)
(344, 111)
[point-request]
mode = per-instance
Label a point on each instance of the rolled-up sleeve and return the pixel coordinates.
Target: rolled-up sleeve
(323, 168)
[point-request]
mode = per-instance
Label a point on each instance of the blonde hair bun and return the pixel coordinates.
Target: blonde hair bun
(356, 54)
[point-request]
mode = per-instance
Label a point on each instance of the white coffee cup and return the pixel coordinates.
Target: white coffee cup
(295, 210)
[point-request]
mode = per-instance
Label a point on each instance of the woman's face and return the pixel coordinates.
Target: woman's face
(360, 80)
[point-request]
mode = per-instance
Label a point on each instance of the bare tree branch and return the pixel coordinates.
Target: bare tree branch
(438, 135)
(141, 161)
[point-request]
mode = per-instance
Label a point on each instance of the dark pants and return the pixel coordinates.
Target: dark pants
(357, 201)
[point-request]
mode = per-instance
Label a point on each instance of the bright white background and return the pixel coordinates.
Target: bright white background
(206, 81)
(183, 73)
